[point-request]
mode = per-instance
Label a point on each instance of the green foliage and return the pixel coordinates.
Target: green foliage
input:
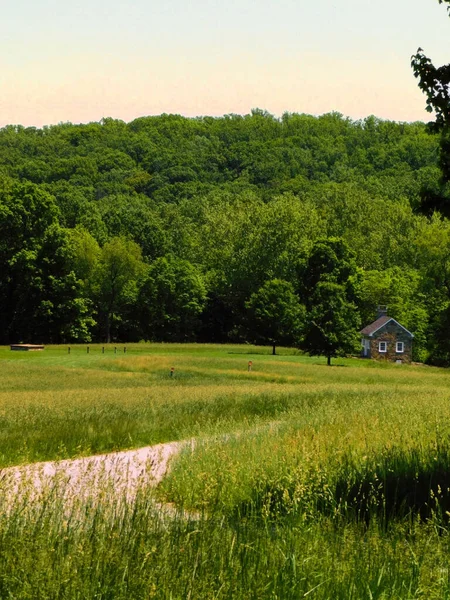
(63, 314)
(27, 212)
(332, 320)
(131, 216)
(330, 260)
(85, 253)
(241, 199)
(171, 299)
(332, 323)
(435, 83)
(276, 314)
(39, 291)
(440, 348)
(116, 278)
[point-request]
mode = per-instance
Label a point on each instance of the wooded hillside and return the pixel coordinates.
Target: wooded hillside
(177, 229)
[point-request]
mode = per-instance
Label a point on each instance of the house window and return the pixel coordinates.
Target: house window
(399, 347)
(382, 347)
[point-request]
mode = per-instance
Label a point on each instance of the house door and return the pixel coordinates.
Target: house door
(366, 347)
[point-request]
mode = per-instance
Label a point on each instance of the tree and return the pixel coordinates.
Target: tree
(118, 271)
(242, 243)
(276, 314)
(435, 83)
(332, 323)
(330, 260)
(171, 300)
(131, 216)
(330, 291)
(40, 294)
(85, 253)
(63, 313)
(440, 341)
(242, 199)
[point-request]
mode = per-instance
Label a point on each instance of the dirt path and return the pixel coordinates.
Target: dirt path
(89, 478)
(93, 480)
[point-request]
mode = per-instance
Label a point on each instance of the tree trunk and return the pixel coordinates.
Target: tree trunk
(328, 360)
(273, 349)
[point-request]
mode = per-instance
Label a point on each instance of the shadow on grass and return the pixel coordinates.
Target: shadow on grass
(268, 353)
(329, 366)
(387, 496)
(395, 486)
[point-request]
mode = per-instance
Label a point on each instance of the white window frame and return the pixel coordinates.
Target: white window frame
(399, 345)
(382, 345)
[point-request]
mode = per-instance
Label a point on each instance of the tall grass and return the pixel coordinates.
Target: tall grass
(303, 482)
(359, 457)
(56, 405)
(124, 551)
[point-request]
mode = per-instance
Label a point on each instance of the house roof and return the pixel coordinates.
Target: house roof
(369, 330)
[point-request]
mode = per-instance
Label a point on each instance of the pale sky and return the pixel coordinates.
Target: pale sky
(81, 60)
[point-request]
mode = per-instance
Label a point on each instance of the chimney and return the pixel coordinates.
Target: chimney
(381, 311)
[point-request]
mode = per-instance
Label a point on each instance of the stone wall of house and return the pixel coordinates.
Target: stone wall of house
(391, 333)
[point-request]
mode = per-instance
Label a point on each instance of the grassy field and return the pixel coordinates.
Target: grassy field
(305, 480)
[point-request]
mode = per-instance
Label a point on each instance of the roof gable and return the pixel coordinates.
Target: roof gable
(369, 330)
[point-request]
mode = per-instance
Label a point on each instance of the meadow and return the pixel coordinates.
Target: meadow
(304, 480)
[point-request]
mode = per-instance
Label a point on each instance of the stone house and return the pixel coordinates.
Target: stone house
(386, 339)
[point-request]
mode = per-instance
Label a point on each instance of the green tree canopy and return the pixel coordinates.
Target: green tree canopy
(171, 300)
(119, 270)
(330, 260)
(241, 199)
(435, 83)
(40, 294)
(276, 315)
(332, 320)
(332, 323)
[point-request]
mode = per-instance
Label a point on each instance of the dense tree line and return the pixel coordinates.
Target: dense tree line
(239, 228)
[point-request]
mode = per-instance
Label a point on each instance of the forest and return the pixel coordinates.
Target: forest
(241, 229)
